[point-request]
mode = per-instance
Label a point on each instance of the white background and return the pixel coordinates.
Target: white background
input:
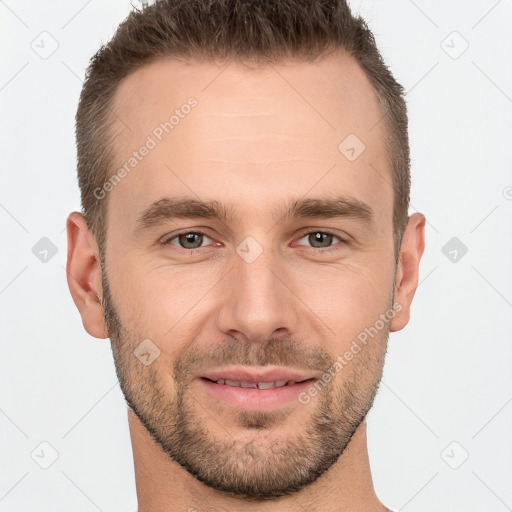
(448, 375)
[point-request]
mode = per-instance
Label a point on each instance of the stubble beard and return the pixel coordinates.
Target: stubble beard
(273, 456)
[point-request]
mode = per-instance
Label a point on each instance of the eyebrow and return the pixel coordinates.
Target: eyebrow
(167, 208)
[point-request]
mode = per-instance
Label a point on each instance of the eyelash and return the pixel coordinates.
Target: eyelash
(167, 241)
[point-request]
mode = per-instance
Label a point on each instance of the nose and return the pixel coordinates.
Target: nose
(259, 300)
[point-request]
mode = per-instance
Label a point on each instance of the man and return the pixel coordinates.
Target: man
(245, 243)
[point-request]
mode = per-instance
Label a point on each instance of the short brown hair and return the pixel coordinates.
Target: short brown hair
(261, 31)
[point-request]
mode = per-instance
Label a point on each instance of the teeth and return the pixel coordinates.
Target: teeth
(249, 385)
(256, 385)
(265, 385)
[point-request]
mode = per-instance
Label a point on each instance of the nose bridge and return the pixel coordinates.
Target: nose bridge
(258, 299)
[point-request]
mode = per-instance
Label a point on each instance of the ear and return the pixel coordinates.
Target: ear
(406, 280)
(84, 275)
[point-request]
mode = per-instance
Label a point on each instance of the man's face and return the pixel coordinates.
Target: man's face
(256, 290)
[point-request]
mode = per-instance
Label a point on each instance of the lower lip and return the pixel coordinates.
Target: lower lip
(255, 399)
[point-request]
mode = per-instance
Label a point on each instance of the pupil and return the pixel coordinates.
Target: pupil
(323, 237)
(188, 238)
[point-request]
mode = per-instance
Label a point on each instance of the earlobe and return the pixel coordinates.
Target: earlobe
(83, 272)
(406, 280)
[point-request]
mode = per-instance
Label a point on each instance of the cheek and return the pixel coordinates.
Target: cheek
(349, 297)
(161, 301)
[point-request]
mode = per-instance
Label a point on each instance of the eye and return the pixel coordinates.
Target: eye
(194, 240)
(321, 239)
(188, 240)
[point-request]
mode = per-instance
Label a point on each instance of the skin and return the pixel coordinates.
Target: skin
(258, 139)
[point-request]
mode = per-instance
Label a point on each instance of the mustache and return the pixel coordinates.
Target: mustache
(286, 352)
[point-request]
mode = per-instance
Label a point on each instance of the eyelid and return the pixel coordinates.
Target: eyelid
(342, 240)
(166, 240)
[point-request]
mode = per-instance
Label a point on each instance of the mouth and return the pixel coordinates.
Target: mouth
(256, 390)
(256, 385)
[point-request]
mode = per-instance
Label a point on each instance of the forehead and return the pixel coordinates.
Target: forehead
(253, 131)
(332, 93)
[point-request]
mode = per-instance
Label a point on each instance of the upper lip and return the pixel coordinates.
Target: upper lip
(245, 374)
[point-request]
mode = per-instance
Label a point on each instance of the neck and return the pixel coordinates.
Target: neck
(163, 485)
